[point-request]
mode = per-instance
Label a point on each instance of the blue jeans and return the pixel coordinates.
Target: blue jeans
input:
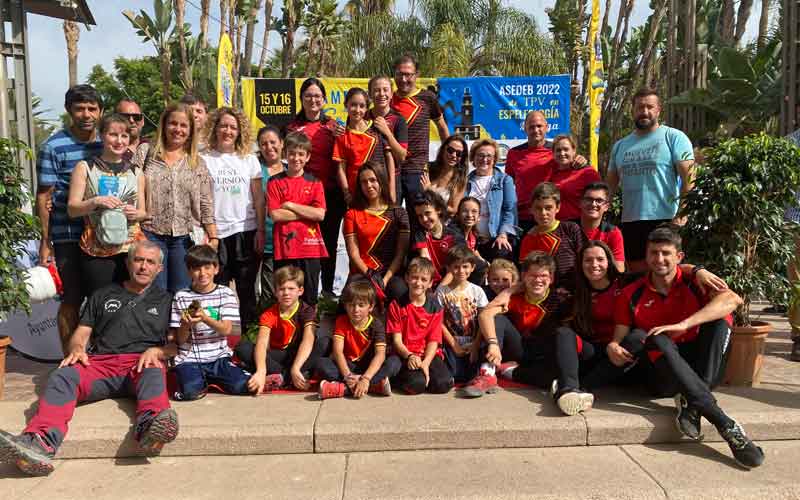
(194, 378)
(174, 276)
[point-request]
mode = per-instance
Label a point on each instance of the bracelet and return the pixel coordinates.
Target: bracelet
(409, 356)
(696, 270)
(492, 341)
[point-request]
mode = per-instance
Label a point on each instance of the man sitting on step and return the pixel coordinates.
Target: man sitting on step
(117, 350)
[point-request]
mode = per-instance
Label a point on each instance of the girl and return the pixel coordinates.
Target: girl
(107, 183)
(433, 238)
(238, 204)
(361, 143)
(270, 153)
(466, 220)
(390, 124)
(570, 179)
(448, 174)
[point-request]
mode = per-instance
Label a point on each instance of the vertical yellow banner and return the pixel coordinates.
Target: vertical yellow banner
(225, 84)
(597, 84)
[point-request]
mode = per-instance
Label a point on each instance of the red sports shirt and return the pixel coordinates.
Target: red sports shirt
(528, 167)
(320, 133)
(356, 148)
(358, 343)
(376, 234)
(563, 242)
(418, 324)
(297, 239)
(438, 247)
(535, 318)
(418, 109)
(570, 183)
(285, 330)
(611, 236)
(603, 313)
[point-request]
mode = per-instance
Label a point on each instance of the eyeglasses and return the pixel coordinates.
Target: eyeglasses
(318, 97)
(137, 117)
(453, 151)
(594, 201)
(484, 156)
(404, 75)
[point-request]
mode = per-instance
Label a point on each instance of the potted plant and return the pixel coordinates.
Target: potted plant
(17, 226)
(736, 228)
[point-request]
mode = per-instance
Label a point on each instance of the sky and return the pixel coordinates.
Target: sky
(113, 36)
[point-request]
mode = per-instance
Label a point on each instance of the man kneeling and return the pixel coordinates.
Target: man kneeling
(125, 327)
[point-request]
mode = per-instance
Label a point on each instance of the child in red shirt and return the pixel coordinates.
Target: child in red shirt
(296, 206)
(433, 238)
(415, 325)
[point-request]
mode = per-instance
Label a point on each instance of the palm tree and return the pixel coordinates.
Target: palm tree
(157, 30)
(71, 34)
(205, 6)
(287, 26)
(249, 39)
(355, 8)
(180, 12)
(265, 44)
(324, 27)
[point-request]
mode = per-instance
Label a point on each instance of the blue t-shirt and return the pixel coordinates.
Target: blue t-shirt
(268, 223)
(54, 165)
(648, 174)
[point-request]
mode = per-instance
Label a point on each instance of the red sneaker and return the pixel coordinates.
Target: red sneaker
(480, 385)
(382, 388)
(329, 390)
(273, 381)
(506, 370)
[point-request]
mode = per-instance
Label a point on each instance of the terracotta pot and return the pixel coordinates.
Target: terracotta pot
(747, 354)
(4, 342)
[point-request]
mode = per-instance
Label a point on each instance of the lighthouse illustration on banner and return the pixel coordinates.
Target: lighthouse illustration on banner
(467, 129)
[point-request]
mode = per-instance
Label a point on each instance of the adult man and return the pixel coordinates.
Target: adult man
(200, 115)
(127, 326)
(594, 205)
(651, 164)
(131, 110)
(54, 164)
(682, 337)
(418, 107)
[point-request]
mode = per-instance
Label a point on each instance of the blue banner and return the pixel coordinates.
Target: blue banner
(496, 106)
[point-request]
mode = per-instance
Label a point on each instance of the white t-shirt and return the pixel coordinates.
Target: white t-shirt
(205, 344)
(233, 201)
(481, 192)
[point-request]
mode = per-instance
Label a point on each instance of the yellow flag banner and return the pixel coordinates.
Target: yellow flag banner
(225, 84)
(597, 84)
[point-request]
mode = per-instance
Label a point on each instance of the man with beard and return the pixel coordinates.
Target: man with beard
(133, 113)
(54, 164)
(654, 168)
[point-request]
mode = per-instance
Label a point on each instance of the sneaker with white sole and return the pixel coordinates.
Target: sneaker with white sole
(744, 450)
(687, 419)
(28, 452)
(571, 402)
(382, 388)
(480, 385)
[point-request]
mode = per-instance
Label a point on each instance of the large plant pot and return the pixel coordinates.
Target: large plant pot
(4, 343)
(747, 354)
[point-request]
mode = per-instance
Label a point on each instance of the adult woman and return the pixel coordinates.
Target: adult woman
(390, 124)
(376, 233)
(270, 153)
(238, 204)
(495, 190)
(177, 192)
(98, 187)
(448, 174)
(321, 131)
(569, 178)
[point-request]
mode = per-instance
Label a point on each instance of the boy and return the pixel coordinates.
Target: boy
(594, 205)
(202, 317)
(520, 326)
(433, 238)
(297, 206)
(561, 239)
(461, 301)
(502, 274)
(286, 345)
(415, 324)
(357, 363)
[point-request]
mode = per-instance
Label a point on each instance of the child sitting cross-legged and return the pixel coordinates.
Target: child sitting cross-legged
(357, 363)
(415, 323)
(202, 317)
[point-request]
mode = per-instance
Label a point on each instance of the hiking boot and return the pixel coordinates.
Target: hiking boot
(572, 401)
(506, 370)
(382, 388)
(687, 419)
(273, 381)
(795, 354)
(28, 451)
(328, 390)
(480, 385)
(160, 430)
(744, 450)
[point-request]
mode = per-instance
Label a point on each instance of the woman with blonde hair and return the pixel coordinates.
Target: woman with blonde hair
(238, 203)
(177, 193)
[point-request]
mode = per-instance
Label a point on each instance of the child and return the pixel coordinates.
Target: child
(433, 239)
(521, 326)
(466, 220)
(502, 274)
(296, 206)
(415, 324)
(561, 239)
(361, 143)
(356, 365)
(286, 345)
(461, 301)
(202, 316)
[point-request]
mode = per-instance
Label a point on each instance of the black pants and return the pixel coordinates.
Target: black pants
(311, 269)
(267, 297)
(98, 272)
(330, 225)
(691, 368)
(328, 370)
(280, 361)
(413, 381)
(239, 262)
(570, 360)
(490, 252)
(508, 340)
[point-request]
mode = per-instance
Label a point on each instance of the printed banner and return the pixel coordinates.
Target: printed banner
(597, 84)
(224, 76)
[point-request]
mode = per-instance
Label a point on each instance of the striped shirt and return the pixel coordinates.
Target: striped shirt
(54, 164)
(205, 344)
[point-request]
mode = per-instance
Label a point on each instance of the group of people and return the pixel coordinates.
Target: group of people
(457, 276)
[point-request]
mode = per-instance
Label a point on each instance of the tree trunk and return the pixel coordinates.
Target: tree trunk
(223, 16)
(267, 27)
(166, 75)
(650, 46)
(604, 24)
(742, 16)
(249, 38)
(725, 23)
(186, 72)
(72, 33)
(763, 25)
(620, 35)
(290, 22)
(204, 8)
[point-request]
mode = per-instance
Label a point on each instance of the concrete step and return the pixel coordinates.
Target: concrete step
(641, 472)
(518, 418)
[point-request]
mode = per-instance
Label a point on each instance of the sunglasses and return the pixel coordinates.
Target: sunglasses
(137, 117)
(453, 151)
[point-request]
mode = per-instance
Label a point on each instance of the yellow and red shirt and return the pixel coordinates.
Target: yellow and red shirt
(359, 343)
(376, 234)
(355, 148)
(418, 109)
(535, 318)
(287, 329)
(418, 324)
(563, 242)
